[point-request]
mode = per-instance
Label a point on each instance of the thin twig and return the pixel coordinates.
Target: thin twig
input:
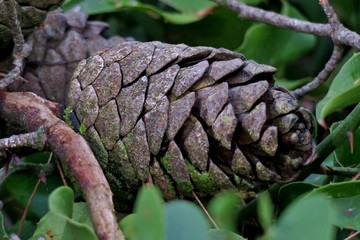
(21, 50)
(352, 236)
(330, 13)
(26, 210)
(19, 78)
(341, 35)
(323, 75)
(35, 140)
(259, 15)
(338, 171)
(205, 210)
(61, 173)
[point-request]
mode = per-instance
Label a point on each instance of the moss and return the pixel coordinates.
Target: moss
(82, 129)
(202, 181)
(66, 117)
(185, 186)
(170, 186)
(165, 161)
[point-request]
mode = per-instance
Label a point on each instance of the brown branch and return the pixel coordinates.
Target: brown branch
(259, 15)
(323, 75)
(330, 13)
(341, 35)
(21, 49)
(34, 140)
(72, 150)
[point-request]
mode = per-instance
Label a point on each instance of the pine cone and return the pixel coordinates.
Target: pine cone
(63, 40)
(30, 14)
(189, 118)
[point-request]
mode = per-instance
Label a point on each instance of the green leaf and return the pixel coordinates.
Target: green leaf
(251, 2)
(340, 190)
(228, 35)
(110, 6)
(224, 208)
(127, 225)
(58, 222)
(20, 186)
(308, 218)
(149, 220)
(292, 84)
(343, 155)
(275, 46)
(343, 91)
(189, 6)
(185, 221)
(61, 227)
(345, 197)
(291, 191)
(265, 210)
(61, 201)
(81, 214)
(221, 234)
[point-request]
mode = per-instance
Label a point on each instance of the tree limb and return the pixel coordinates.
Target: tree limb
(323, 74)
(72, 150)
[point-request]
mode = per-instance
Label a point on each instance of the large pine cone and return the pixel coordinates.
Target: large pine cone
(189, 118)
(59, 45)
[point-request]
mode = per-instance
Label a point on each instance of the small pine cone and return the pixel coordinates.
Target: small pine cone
(189, 118)
(59, 45)
(30, 14)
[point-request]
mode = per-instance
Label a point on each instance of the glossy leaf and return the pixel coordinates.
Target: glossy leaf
(265, 210)
(20, 187)
(190, 6)
(61, 227)
(344, 155)
(276, 46)
(292, 84)
(127, 225)
(61, 201)
(221, 234)
(291, 191)
(58, 222)
(251, 2)
(343, 91)
(92, 7)
(224, 208)
(81, 214)
(149, 220)
(308, 218)
(185, 221)
(345, 197)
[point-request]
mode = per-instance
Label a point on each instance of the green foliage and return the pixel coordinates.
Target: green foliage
(188, 10)
(175, 220)
(224, 208)
(275, 46)
(307, 218)
(59, 222)
(344, 156)
(343, 91)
